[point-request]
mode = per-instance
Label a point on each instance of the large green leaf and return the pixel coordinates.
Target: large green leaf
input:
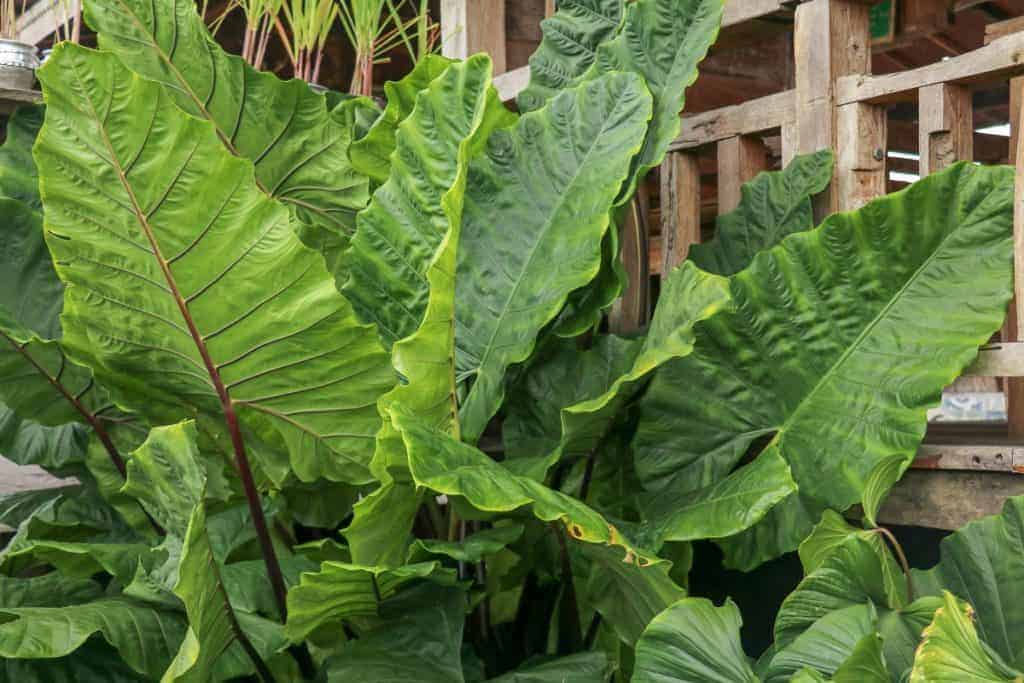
(663, 41)
(283, 127)
(554, 176)
(27, 442)
(827, 644)
(568, 47)
(825, 344)
(145, 636)
(399, 233)
(18, 177)
(585, 667)
(166, 476)
(983, 563)
(772, 205)
(440, 137)
(442, 464)
(693, 642)
(371, 154)
(29, 288)
(341, 591)
(94, 662)
(952, 652)
(187, 287)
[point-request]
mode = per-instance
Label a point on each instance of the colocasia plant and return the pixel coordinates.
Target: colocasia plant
(333, 391)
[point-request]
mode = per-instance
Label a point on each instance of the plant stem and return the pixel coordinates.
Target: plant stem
(902, 559)
(569, 627)
(588, 474)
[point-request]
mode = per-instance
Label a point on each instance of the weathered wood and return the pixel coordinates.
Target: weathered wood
(680, 208)
(511, 83)
(471, 26)
(632, 310)
(945, 130)
(40, 20)
(999, 29)
(549, 7)
(1005, 359)
(861, 159)
(999, 59)
(831, 39)
(970, 457)
(948, 500)
(1014, 387)
(754, 116)
(740, 158)
(740, 11)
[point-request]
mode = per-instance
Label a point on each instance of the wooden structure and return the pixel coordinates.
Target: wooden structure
(793, 76)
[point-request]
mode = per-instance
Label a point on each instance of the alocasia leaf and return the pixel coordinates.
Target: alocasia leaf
(825, 343)
(585, 667)
(474, 548)
(284, 128)
(371, 154)
(983, 563)
(27, 442)
(166, 476)
(827, 645)
(187, 287)
(341, 591)
(772, 205)
(554, 176)
(693, 641)
(663, 41)
(865, 664)
(568, 47)
(952, 652)
(29, 288)
(18, 177)
(94, 662)
(441, 137)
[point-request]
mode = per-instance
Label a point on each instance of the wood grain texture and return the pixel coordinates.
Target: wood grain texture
(740, 158)
(680, 208)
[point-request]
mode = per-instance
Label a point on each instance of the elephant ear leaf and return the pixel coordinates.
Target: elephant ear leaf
(824, 343)
(165, 475)
(951, 650)
(18, 177)
(187, 289)
(570, 158)
(283, 127)
(568, 47)
(772, 205)
(692, 640)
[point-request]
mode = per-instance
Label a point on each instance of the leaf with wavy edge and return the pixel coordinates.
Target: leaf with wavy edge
(299, 151)
(952, 652)
(692, 640)
(832, 318)
(444, 465)
(663, 41)
(166, 476)
(440, 135)
(983, 563)
(371, 154)
(864, 665)
(144, 636)
(18, 177)
(569, 159)
(584, 667)
(772, 205)
(340, 591)
(401, 232)
(473, 548)
(187, 288)
(568, 46)
(828, 644)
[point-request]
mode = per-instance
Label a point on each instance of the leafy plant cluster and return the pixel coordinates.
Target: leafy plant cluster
(333, 386)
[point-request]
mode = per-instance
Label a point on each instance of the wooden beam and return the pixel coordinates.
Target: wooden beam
(999, 59)
(549, 7)
(753, 116)
(948, 500)
(680, 208)
(741, 11)
(471, 26)
(631, 311)
(945, 126)
(972, 457)
(831, 39)
(1012, 331)
(861, 155)
(511, 83)
(1003, 28)
(740, 158)
(1004, 359)
(40, 20)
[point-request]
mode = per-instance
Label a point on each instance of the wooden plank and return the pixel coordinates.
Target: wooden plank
(831, 39)
(1003, 28)
(1012, 331)
(740, 11)
(471, 26)
(1005, 359)
(631, 311)
(970, 457)
(997, 60)
(861, 160)
(41, 20)
(511, 83)
(680, 208)
(948, 500)
(945, 130)
(549, 7)
(740, 158)
(754, 116)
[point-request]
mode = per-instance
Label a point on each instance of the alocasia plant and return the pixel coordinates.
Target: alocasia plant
(324, 434)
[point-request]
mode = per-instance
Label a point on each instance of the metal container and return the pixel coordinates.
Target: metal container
(18, 64)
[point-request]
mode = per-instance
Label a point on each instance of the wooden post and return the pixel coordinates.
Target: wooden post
(860, 155)
(680, 208)
(471, 26)
(1012, 331)
(831, 39)
(740, 158)
(789, 143)
(549, 7)
(946, 133)
(631, 311)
